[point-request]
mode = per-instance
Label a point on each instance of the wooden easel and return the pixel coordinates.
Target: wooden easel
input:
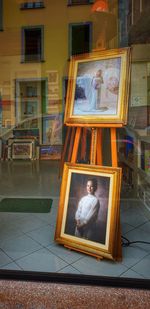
(74, 136)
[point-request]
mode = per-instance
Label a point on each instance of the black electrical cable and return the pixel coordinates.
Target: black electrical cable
(126, 242)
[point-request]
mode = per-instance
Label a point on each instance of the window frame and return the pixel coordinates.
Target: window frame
(23, 55)
(76, 279)
(65, 278)
(71, 25)
(26, 5)
(1, 15)
(74, 4)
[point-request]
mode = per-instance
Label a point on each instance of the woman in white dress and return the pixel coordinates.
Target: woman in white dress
(88, 93)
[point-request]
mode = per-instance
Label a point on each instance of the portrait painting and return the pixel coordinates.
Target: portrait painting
(88, 209)
(52, 129)
(98, 88)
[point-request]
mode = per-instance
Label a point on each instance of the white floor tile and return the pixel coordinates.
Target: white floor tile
(131, 274)
(8, 231)
(69, 270)
(23, 236)
(19, 246)
(132, 255)
(139, 235)
(29, 223)
(91, 266)
(4, 259)
(145, 227)
(125, 227)
(44, 235)
(11, 266)
(133, 217)
(143, 267)
(67, 255)
(42, 260)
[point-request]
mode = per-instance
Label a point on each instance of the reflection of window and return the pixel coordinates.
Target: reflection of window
(80, 38)
(76, 2)
(32, 5)
(123, 20)
(1, 14)
(136, 7)
(136, 10)
(145, 4)
(32, 45)
(129, 16)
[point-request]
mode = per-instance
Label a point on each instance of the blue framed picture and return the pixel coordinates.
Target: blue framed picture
(50, 152)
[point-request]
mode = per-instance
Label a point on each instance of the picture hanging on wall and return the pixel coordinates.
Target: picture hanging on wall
(52, 129)
(98, 88)
(88, 215)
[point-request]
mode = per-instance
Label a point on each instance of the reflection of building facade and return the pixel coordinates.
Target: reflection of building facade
(135, 32)
(33, 69)
(134, 21)
(33, 83)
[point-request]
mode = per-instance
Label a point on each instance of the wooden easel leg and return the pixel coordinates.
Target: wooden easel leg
(99, 146)
(71, 144)
(118, 242)
(95, 158)
(114, 147)
(118, 253)
(119, 248)
(93, 146)
(76, 145)
(83, 144)
(64, 151)
(99, 257)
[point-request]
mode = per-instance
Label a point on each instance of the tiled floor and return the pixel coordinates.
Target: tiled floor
(27, 239)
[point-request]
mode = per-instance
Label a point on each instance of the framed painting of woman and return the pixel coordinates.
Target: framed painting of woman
(98, 87)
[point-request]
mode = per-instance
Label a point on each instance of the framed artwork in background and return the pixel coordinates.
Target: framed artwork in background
(50, 152)
(22, 150)
(52, 129)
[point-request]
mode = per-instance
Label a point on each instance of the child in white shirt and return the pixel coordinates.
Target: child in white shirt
(87, 212)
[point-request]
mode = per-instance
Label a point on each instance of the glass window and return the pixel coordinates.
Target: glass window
(80, 38)
(32, 5)
(145, 4)
(79, 2)
(136, 11)
(32, 49)
(123, 24)
(1, 14)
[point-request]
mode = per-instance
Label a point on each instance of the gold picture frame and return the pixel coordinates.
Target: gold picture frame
(95, 234)
(22, 150)
(98, 88)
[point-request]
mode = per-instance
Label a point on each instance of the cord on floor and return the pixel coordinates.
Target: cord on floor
(125, 242)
